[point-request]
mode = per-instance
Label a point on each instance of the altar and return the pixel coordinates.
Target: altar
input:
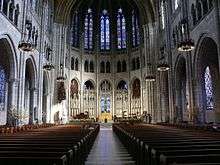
(105, 117)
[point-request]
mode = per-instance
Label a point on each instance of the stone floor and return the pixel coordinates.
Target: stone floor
(108, 150)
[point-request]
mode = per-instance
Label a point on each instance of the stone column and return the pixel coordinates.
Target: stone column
(33, 108)
(12, 101)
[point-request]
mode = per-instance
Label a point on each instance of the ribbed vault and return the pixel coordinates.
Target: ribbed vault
(64, 8)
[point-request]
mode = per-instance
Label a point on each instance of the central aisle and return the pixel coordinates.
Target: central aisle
(108, 150)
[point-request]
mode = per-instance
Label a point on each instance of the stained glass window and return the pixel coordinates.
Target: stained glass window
(176, 4)
(135, 29)
(121, 30)
(75, 30)
(88, 36)
(2, 88)
(102, 105)
(108, 104)
(162, 8)
(105, 31)
(209, 89)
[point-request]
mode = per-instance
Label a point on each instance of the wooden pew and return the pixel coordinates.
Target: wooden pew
(150, 142)
(59, 145)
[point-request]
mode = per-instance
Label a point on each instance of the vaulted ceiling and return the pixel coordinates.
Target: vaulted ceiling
(64, 7)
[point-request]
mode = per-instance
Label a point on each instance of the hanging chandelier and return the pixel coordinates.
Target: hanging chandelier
(61, 78)
(150, 78)
(26, 45)
(48, 66)
(186, 45)
(163, 67)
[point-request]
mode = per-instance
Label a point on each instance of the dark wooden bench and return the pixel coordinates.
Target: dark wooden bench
(64, 145)
(149, 144)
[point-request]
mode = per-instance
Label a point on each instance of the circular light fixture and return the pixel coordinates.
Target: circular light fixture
(186, 46)
(25, 46)
(163, 67)
(48, 66)
(150, 78)
(61, 79)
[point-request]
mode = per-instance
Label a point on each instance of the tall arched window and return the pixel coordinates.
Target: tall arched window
(105, 31)
(193, 13)
(72, 63)
(205, 6)
(0, 5)
(2, 88)
(133, 64)
(208, 89)
(88, 36)
(108, 67)
(86, 66)
(162, 10)
(5, 7)
(138, 64)
(75, 30)
(16, 15)
(121, 30)
(102, 67)
(119, 66)
(124, 66)
(36, 5)
(176, 4)
(135, 29)
(210, 4)
(76, 65)
(11, 10)
(199, 10)
(91, 67)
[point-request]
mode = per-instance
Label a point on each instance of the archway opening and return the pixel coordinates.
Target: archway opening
(74, 99)
(45, 105)
(8, 111)
(29, 113)
(89, 99)
(121, 100)
(136, 98)
(180, 113)
(209, 82)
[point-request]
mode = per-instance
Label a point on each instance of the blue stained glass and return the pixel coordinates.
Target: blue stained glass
(121, 30)
(88, 36)
(105, 31)
(102, 104)
(108, 105)
(135, 30)
(2, 88)
(105, 104)
(209, 89)
(75, 29)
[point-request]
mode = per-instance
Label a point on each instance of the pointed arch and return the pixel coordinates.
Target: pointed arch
(119, 66)
(86, 66)
(124, 66)
(108, 67)
(91, 65)
(102, 67)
